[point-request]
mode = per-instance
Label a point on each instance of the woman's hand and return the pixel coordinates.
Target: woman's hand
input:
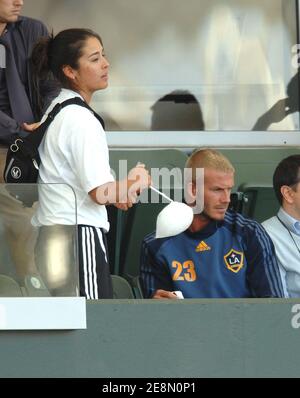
(123, 206)
(140, 179)
(123, 194)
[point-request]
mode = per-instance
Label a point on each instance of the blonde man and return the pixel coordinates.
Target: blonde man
(221, 255)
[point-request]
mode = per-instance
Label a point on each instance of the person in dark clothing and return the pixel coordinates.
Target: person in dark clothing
(20, 110)
(221, 255)
(19, 105)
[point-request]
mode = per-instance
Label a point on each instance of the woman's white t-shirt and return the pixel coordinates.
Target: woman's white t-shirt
(74, 161)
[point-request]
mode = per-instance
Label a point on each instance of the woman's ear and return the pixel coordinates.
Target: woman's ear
(69, 72)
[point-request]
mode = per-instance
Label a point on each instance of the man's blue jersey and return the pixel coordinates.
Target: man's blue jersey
(227, 259)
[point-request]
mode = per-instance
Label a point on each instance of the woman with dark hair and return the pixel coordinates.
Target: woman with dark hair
(74, 152)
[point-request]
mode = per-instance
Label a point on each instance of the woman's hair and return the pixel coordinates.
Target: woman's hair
(51, 54)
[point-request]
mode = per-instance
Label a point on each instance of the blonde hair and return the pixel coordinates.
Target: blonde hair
(210, 159)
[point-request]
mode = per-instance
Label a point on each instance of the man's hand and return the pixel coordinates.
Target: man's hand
(164, 294)
(275, 114)
(30, 127)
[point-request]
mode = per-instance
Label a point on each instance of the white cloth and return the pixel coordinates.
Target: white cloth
(73, 152)
(286, 249)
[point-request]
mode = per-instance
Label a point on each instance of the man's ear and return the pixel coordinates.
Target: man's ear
(287, 194)
(69, 72)
(191, 193)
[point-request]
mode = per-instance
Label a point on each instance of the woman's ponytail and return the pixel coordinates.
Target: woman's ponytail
(40, 57)
(41, 67)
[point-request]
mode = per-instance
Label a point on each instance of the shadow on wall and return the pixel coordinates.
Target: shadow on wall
(110, 123)
(281, 108)
(178, 110)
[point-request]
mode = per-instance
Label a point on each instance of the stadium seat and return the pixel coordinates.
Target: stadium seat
(35, 287)
(236, 202)
(121, 288)
(258, 201)
(136, 287)
(141, 220)
(9, 287)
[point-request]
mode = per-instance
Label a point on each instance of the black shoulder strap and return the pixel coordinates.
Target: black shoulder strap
(38, 135)
(72, 101)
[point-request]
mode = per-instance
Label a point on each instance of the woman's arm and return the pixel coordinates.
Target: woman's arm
(123, 192)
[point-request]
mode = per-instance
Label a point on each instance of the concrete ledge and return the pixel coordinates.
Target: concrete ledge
(165, 339)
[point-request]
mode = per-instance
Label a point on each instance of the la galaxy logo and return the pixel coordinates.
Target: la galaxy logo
(16, 173)
(234, 260)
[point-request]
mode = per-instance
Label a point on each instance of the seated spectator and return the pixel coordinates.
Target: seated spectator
(221, 255)
(284, 228)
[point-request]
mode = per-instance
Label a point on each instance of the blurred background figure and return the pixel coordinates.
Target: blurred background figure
(19, 109)
(281, 108)
(178, 110)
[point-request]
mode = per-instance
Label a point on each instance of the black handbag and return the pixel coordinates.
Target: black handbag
(22, 159)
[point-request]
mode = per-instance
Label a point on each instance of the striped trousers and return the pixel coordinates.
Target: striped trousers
(94, 276)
